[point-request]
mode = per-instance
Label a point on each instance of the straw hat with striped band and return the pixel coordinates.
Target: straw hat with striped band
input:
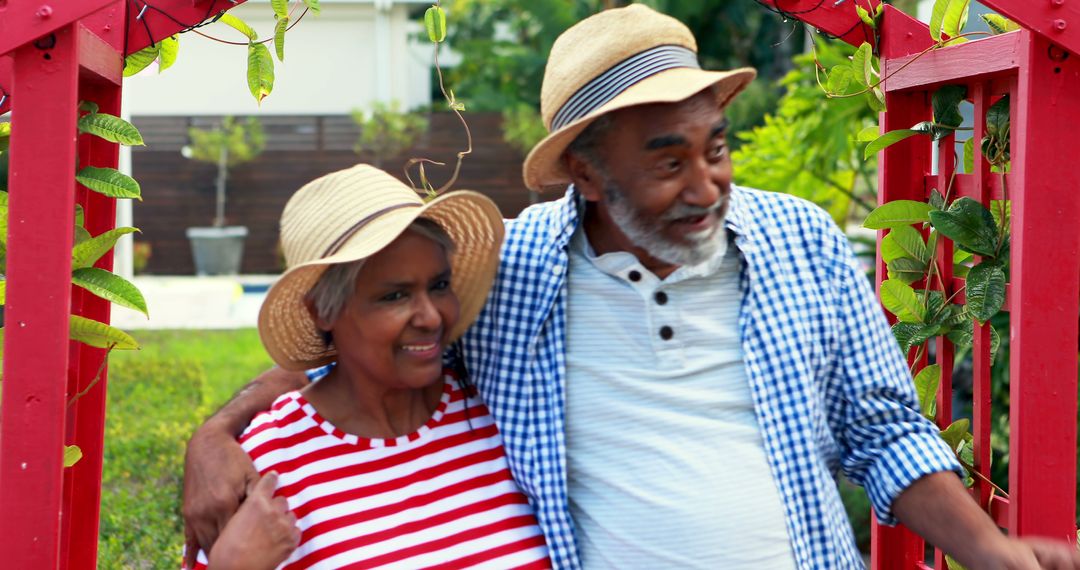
(350, 215)
(612, 60)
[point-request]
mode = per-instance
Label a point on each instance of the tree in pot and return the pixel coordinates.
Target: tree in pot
(218, 249)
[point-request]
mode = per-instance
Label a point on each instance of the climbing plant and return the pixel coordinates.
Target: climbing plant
(87, 248)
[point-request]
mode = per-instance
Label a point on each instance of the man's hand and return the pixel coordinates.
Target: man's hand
(939, 508)
(217, 472)
(217, 475)
(262, 535)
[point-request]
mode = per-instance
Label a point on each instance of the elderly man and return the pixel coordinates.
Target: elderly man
(679, 366)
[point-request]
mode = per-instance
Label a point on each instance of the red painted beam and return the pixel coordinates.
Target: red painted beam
(902, 35)
(971, 61)
(24, 21)
(98, 60)
(834, 18)
(167, 17)
(40, 228)
(1057, 20)
(1046, 288)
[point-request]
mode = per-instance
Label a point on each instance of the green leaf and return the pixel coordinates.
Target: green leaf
(996, 207)
(3, 294)
(72, 455)
(946, 102)
(906, 270)
(84, 106)
(876, 99)
(862, 64)
(281, 8)
(899, 298)
(888, 139)
(260, 71)
(957, 433)
(937, 16)
(111, 287)
(911, 241)
(969, 156)
(997, 119)
(435, 23)
(913, 334)
(897, 213)
(110, 182)
(985, 291)
(926, 386)
(956, 316)
(279, 38)
(88, 252)
(999, 24)
(995, 344)
(937, 201)
(842, 80)
(139, 60)
(100, 335)
(170, 47)
(868, 134)
(955, 19)
(238, 25)
(313, 5)
(111, 128)
(3, 218)
(969, 224)
(80, 216)
(960, 256)
(81, 235)
(960, 271)
(961, 336)
(865, 16)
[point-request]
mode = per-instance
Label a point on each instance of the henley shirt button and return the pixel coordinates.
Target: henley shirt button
(634, 276)
(661, 298)
(666, 333)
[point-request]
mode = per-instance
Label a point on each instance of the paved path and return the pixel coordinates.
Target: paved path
(184, 302)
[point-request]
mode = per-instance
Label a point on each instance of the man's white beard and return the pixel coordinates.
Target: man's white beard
(649, 235)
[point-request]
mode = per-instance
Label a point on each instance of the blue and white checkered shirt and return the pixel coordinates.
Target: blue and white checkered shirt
(831, 389)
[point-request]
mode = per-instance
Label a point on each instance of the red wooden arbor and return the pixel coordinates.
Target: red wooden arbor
(1039, 67)
(54, 54)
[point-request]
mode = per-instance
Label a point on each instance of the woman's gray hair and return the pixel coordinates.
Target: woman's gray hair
(338, 283)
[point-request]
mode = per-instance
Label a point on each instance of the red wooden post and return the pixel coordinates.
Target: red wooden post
(41, 195)
(88, 413)
(1045, 291)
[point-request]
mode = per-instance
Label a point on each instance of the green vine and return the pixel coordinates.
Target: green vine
(87, 249)
(915, 290)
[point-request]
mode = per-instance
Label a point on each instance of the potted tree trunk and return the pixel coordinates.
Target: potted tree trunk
(219, 248)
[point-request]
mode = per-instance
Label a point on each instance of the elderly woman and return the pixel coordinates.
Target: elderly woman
(389, 460)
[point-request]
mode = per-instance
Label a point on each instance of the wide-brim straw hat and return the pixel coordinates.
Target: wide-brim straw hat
(616, 59)
(351, 215)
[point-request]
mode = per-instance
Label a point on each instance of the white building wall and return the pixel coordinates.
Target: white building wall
(352, 54)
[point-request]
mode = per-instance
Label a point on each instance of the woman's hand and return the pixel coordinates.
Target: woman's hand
(262, 534)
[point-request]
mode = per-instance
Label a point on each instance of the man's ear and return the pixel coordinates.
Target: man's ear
(585, 176)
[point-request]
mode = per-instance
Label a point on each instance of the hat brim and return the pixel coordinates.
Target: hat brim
(544, 167)
(472, 220)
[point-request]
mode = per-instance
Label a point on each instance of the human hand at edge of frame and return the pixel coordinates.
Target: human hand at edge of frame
(217, 475)
(1030, 553)
(262, 535)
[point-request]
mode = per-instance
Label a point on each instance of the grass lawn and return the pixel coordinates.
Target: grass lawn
(156, 398)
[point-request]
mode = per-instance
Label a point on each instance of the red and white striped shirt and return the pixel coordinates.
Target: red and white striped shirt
(440, 497)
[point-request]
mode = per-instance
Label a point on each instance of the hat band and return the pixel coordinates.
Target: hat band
(611, 83)
(344, 237)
